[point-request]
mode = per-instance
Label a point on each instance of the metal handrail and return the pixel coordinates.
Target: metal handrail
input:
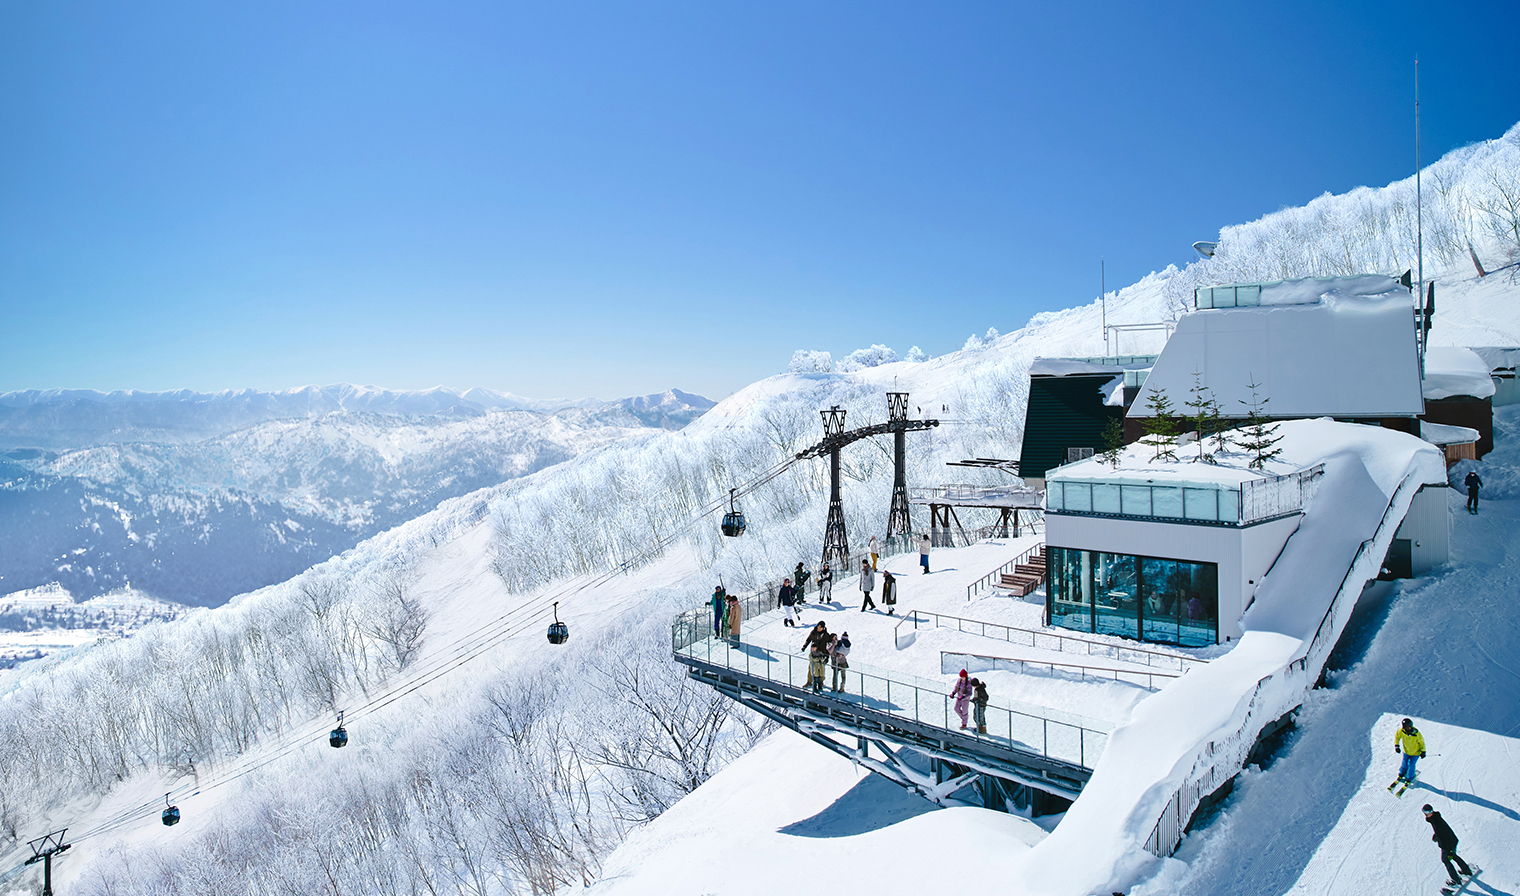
(993, 576)
(1021, 665)
(984, 629)
(1053, 734)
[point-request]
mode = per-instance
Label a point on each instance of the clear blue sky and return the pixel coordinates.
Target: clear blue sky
(612, 199)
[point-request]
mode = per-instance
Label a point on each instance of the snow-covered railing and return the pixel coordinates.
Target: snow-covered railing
(1047, 640)
(992, 495)
(951, 661)
(1281, 692)
(996, 575)
(1248, 502)
(1041, 731)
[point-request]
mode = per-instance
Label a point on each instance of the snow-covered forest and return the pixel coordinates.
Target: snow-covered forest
(515, 769)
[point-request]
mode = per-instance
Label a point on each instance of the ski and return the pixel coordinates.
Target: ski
(1401, 790)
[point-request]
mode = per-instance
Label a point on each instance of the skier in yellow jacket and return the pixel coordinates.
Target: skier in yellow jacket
(1409, 741)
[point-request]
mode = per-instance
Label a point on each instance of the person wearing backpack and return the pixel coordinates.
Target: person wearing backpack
(838, 658)
(979, 703)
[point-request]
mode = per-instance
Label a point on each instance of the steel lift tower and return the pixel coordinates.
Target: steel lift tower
(836, 541)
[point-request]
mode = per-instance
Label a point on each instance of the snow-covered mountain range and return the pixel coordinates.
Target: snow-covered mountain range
(484, 762)
(197, 518)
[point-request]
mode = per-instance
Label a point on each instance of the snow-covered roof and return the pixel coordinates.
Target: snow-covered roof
(1498, 357)
(1453, 372)
(1070, 367)
(1303, 291)
(1342, 356)
(1443, 434)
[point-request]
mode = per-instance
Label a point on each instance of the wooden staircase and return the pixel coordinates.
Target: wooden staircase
(1026, 576)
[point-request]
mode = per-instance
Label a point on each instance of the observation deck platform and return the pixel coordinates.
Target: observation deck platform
(1027, 750)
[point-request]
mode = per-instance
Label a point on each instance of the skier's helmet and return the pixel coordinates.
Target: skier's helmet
(1409, 723)
(1427, 809)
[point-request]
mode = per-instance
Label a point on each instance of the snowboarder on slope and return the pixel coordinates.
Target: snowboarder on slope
(825, 584)
(1447, 840)
(787, 597)
(1409, 741)
(867, 585)
(923, 552)
(1473, 483)
(962, 695)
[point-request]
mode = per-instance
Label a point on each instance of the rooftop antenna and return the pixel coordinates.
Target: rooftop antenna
(1419, 218)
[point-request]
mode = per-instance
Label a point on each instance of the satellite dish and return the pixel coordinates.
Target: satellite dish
(1205, 248)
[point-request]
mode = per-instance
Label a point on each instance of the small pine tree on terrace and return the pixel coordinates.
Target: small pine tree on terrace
(1203, 413)
(1161, 426)
(1113, 443)
(1259, 436)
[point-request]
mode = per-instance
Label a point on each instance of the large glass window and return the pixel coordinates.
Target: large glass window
(1146, 598)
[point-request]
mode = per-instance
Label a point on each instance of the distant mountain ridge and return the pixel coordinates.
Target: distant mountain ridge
(63, 419)
(195, 498)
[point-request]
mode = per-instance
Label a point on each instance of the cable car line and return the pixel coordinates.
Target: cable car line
(515, 621)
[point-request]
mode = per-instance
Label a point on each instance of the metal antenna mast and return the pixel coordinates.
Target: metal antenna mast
(43, 850)
(898, 520)
(1419, 218)
(836, 542)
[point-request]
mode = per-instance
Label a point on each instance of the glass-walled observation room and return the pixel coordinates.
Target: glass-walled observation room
(1145, 598)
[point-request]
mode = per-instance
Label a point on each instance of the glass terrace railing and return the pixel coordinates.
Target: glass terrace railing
(1239, 504)
(1238, 295)
(1039, 731)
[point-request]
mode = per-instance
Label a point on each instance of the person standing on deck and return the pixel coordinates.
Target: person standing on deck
(839, 658)
(800, 577)
(979, 700)
(873, 550)
(889, 592)
(817, 648)
(825, 584)
(962, 695)
(787, 596)
(1409, 741)
(867, 585)
(735, 612)
(923, 552)
(718, 607)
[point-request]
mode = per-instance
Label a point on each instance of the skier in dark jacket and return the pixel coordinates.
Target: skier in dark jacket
(800, 575)
(1447, 840)
(1473, 483)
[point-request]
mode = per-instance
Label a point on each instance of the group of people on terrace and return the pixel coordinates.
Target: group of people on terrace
(823, 650)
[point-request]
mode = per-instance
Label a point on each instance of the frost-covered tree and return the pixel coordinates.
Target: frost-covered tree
(916, 355)
(861, 358)
(806, 361)
(976, 342)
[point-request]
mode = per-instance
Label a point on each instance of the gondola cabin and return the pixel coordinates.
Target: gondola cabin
(733, 521)
(339, 735)
(559, 632)
(171, 814)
